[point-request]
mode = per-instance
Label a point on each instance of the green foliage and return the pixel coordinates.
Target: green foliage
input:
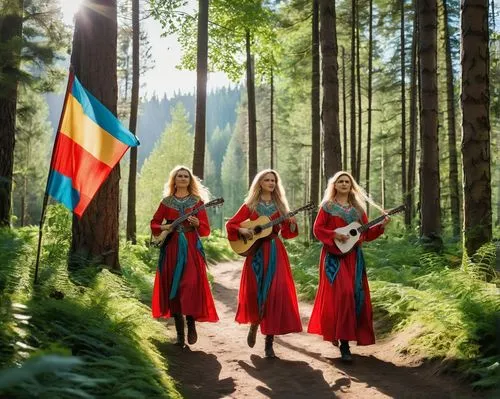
(450, 307)
(104, 338)
(174, 148)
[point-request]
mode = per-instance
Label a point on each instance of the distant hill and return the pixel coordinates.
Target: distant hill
(154, 114)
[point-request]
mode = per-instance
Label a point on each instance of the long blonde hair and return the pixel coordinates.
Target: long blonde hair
(194, 188)
(357, 196)
(278, 195)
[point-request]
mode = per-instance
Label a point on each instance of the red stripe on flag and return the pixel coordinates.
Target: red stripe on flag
(73, 161)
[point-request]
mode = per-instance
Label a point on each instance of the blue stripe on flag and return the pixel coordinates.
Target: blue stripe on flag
(96, 111)
(60, 189)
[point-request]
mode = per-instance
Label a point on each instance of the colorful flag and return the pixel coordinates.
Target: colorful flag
(89, 143)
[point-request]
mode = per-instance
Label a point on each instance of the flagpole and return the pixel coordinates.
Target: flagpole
(46, 196)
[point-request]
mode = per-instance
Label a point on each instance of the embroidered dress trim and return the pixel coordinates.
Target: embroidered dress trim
(180, 204)
(349, 214)
(266, 209)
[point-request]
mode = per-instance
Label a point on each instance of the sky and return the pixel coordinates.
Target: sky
(164, 78)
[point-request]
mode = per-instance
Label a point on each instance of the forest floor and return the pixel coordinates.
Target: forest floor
(221, 365)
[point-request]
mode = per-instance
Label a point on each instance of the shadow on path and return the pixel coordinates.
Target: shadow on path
(196, 373)
(287, 379)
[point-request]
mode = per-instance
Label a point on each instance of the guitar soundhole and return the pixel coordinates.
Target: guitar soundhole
(352, 232)
(257, 230)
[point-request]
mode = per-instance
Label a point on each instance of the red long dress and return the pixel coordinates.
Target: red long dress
(280, 312)
(335, 315)
(193, 296)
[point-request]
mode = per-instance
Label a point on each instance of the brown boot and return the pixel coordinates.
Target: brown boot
(269, 347)
(179, 327)
(192, 335)
(252, 335)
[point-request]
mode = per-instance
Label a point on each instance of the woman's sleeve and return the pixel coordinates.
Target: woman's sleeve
(158, 219)
(373, 232)
(233, 224)
(204, 227)
(289, 230)
(325, 234)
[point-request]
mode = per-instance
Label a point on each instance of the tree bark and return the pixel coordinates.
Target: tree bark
(271, 111)
(370, 95)
(452, 138)
(252, 117)
(344, 112)
(134, 104)
(315, 112)
(429, 179)
(330, 84)
(201, 90)
(403, 101)
(360, 108)
(353, 88)
(11, 28)
(95, 235)
(413, 131)
(476, 124)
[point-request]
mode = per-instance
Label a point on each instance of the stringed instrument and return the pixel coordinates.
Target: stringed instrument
(160, 239)
(354, 230)
(261, 227)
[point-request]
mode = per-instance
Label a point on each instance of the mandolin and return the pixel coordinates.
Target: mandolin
(158, 240)
(354, 230)
(262, 227)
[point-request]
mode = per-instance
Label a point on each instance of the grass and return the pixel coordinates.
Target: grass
(80, 334)
(454, 303)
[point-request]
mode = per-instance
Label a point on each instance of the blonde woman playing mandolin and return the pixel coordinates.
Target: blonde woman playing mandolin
(267, 294)
(342, 309)
(181, 285)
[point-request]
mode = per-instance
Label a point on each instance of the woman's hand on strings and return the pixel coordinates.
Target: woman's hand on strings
(341, 237)
(193, 221)
(246, 233)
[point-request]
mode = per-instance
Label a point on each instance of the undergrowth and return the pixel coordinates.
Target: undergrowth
(453, 303)
(81, 333)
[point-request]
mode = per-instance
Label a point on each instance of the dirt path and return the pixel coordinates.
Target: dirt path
(221, 365)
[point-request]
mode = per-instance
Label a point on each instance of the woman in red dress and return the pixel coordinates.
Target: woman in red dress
(342, 309)
(181, 285)
(267, 294)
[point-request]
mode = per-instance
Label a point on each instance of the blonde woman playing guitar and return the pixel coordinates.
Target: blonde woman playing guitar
(181, 286)
(267, 294)
(342, 309)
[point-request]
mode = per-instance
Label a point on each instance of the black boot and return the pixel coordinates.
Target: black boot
(179, 327)
(269, 347)
(192, 335)
(252, 335)
(345, 352)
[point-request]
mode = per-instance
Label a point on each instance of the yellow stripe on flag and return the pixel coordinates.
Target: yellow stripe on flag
(89, 135)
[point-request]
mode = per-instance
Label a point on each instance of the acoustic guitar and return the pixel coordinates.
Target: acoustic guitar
(261, 227)
(354, 230)
(158, 240)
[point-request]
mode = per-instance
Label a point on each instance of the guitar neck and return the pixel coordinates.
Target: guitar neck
(182, 218)
(366, 226)
(281, 219)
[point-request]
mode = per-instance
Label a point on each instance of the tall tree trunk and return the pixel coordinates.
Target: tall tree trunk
(271, 155)
(476, 124)
(369, 116)
(429, 180)
(134, 104)
(344, 112)
(11, 28)
(95, 235)
(403, 101)
(252, 114)
(412, 156)
(353, 87)
(330, 83)
(452, 138)
(24, 206)
(315, 112)
(360, 108)
(201, 90)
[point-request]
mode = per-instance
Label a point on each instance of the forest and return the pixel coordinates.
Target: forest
(404, 95)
